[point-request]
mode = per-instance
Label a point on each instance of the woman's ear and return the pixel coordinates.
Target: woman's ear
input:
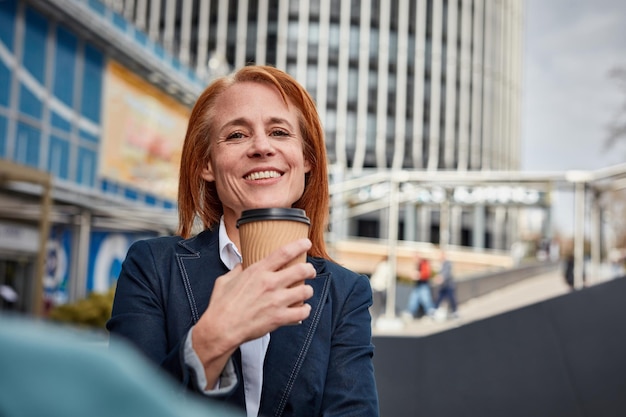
(207, 173)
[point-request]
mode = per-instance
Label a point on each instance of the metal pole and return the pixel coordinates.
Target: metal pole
(338, 213)
(44, 233)
(444, 222)
(389, 320)
(596, 236)
(10, 171)
(478, 234)
(390, 308)
(579, 234)
(80, 265)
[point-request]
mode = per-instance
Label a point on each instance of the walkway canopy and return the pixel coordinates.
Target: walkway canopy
(395, 188)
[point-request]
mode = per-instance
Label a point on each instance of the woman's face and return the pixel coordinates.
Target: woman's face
(256, 158)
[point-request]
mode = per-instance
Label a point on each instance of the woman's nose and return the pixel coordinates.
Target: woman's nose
(261, 145)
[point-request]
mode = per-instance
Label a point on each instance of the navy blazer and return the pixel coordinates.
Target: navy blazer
(322, 367)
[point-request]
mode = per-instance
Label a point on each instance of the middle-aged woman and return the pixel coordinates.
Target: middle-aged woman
(254, 140)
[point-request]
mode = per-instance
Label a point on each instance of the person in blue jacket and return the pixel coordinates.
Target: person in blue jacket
(254, 140)
(59, 371)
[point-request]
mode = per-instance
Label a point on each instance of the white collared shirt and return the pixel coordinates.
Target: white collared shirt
(252, 352)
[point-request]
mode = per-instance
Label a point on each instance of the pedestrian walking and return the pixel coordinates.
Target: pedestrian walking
(446, 291)
(421, 295)
(568, 271)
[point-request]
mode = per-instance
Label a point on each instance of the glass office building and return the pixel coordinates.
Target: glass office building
(96, 93)
(429, 85)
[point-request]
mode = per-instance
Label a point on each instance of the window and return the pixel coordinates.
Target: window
(92, 84)
(65, 66)
(58, 157)
(5, 84)
(34, 58)
(30, 104)
(86, 167)
(27, 145)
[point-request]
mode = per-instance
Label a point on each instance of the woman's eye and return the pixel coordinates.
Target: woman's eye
(280, 132)
(235, 135)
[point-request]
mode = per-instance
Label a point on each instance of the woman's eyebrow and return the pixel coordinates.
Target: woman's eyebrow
(240, 121)
(280, 120)
(245, 121)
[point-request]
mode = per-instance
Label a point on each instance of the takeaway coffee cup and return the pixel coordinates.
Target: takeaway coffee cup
(262, 231)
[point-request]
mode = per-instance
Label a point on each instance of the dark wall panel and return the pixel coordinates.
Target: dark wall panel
(561, 357)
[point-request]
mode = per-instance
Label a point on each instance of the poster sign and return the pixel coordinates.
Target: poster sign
(143, 132)
(106, 254)
(57, 266)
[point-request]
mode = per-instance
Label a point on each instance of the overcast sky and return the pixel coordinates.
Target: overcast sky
(568, 98)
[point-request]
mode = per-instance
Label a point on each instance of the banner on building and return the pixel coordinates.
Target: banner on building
(143, 132)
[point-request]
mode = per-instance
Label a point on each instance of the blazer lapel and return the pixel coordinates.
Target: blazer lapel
(287, 351)
(200, 266)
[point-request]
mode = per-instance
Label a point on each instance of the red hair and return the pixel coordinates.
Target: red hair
(198, 198)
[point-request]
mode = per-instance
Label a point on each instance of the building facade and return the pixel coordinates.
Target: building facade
(96, 95)
(430, 85)
(81, 149)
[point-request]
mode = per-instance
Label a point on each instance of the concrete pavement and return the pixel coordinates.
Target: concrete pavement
(523, 293)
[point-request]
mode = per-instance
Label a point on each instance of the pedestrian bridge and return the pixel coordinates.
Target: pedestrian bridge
(361, 255)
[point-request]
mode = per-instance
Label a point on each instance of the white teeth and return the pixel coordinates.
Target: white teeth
(262, 175)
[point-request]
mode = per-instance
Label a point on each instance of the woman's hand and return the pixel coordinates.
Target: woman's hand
(246, 304)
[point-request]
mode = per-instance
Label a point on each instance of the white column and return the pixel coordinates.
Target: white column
(362, 101)
(435, 87)
(303, 42)
(401, 82)
(129, 6)
(499, 227)
(154, 20)
(456, 224)
(418, 84)
(382, 93)
(444, 223)
(464, 85)
(487, 89)
(580, 197)
(222, 30)
(281, 36)
(140, 16)
(479, 226)
(504, 107)
(515, 11)
(424, 216)
(184, 51)
(261, 34)
(79, 266)
(410, 223)
(392, 240)
(342, 87)
(500, 107)
(242, 33)
(170, 21)
(202, 53)
(449, 143)
(322, 60)
(475, 138)
(596, 237)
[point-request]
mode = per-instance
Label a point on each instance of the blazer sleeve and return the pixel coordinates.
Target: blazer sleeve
(350, 388)
(139, 312)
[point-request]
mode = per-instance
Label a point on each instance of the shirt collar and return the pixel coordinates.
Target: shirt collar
(229, 254)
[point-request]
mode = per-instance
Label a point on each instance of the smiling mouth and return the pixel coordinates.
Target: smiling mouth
(262, 175)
